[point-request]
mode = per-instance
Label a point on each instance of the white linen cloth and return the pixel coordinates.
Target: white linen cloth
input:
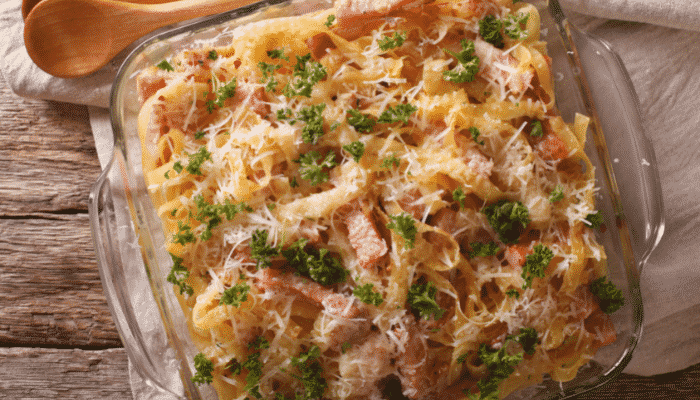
(660, 49)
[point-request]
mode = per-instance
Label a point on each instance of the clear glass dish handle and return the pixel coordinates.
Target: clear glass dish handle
(111, 229)
(605, 80)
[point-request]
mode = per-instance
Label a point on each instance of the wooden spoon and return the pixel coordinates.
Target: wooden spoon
(28, 5)
(73, 38)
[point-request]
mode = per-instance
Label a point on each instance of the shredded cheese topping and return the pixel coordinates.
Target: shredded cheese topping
(374, 195)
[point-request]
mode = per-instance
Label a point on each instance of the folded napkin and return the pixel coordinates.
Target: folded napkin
(660, 50)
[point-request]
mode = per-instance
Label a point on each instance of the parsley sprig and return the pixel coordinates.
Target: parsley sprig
(400, 113)
(235, 295)
(179, 274)
(483, 249)
(500, 363)
(356, 150)
(609, 296)
(318, 265)
(260, 250)
(311, 374)
(389, 42)
(313, 118)
(474, 132)
(536, 263)
(366, 295)
(312, 166)
(404, 225)
(204, 368)
(508, 219)
(165, 66)
(421, 298)
(212, 215)
(361, 122)
(512, 25)
(468, 64)
(490, 29)
(306, 74)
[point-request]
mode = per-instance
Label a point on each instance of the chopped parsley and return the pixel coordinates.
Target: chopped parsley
(468, 65)
(311, 374)
(361, 122)
(313, 118)
(609, 296)
(196, 160)
(500, 363)
(254, 367)
(318, 265)
(177, 167)
(330, 20)
(204, 368)
(459, 196)
(513, 25)
(259, 343)
(366, 295)
(474, 132)
(212, 214)
(260, 251)
(392, 42)
(268, 75)
(513, 293)
(490, 29)
(305, 75)
(165, 66)
(184, 234)
(199, 135)
(536, 130)
(400, 113)
(390, 161)
(421, 298)
(179, 274)
(536, 263)
(595, 219)
(483, 249)
(557, 194)
(313, 171)
(404, 226)
(356, 150)
(213, 55)
(286, 114)
(223, 93)
(508, 219)
(235, 295)
(277, 54)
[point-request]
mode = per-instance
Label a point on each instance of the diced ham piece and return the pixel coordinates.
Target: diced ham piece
(601, 326)
(496, 64)
(584, 302)
(319, 44)
(149, 82)
(550, 146)
(364, 237)
(270, 279)
(515, 255)
(420, 373)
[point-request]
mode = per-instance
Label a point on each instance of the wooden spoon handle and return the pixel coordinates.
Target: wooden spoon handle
(28, 5)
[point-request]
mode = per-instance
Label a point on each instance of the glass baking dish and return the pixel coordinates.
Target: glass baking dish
(129, 242)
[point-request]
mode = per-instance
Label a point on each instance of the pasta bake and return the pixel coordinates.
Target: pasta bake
(377, 200)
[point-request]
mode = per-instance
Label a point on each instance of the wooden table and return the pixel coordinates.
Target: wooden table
(57, 338)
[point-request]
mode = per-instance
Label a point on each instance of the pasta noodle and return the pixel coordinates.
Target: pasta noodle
(374, 196)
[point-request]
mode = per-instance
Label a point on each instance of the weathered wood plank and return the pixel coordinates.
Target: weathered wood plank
(50, 289)
(30, 373)
(47, 158)
(34, 373)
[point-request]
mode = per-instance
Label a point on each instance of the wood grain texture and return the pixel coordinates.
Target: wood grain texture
(50, 290)
(48, 155)
(29, 373)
